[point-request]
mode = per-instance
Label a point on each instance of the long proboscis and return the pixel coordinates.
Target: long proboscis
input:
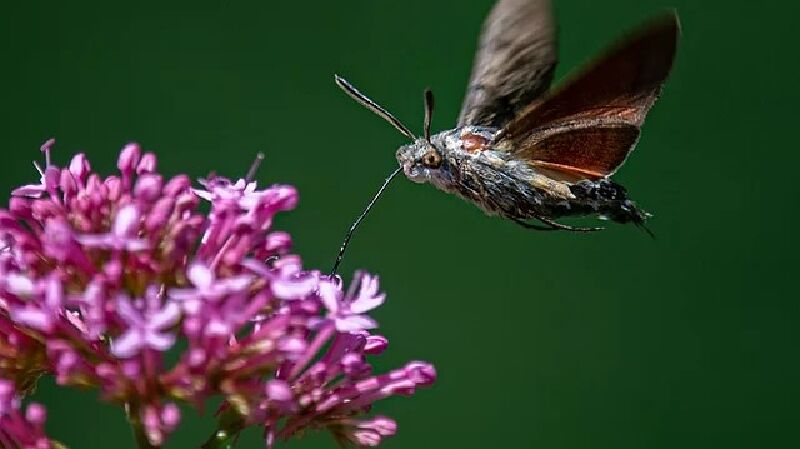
(360, 218)
(372, 106)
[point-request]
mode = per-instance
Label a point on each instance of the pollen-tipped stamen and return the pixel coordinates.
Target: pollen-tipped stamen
(251, 173)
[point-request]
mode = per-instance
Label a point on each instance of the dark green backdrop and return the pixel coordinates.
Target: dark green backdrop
(545, 340)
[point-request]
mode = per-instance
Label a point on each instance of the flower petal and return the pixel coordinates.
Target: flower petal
(278, 390)
(126, 310)
(365, 303)
(159, 341)
(294, 287)
(32, 317)
(330, 295)
(166, 317)
(19, 284)
(128, 344)
(200, 275)
(127, 221)
(29, 190)
(352, 323)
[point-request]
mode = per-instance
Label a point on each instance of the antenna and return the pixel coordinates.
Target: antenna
(360, 218)
(426, 126)
(372, 106)
(386, 115)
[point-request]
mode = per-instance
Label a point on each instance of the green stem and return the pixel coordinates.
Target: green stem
(139, 434)
(220, 439)
(229, 426)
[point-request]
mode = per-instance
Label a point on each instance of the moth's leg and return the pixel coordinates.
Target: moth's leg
(557, 225)
(534, 226)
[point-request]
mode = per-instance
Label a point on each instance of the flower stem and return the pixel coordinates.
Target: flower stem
(220, 439)
(228, 429)
(139, 434)
(141, 438)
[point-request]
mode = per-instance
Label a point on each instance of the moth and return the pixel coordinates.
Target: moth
(525, 152)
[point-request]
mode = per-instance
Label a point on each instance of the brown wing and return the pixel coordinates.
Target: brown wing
(514, 63)
(591, 123)
(583, 150)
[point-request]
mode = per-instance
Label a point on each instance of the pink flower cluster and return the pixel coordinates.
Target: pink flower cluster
(100, 277)
(20, 428)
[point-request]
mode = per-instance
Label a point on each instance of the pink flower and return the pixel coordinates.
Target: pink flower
(20, 427)
(147, 324)
(101, 276)
(347, 310)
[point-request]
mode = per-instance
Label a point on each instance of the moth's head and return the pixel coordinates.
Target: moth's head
(422, 161)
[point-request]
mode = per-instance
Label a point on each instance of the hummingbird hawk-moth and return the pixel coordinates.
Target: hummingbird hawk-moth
(530, 154)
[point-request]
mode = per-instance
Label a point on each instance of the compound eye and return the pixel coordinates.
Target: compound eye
(432, 159)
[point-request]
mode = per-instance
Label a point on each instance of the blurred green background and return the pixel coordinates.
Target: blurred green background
(546, 340)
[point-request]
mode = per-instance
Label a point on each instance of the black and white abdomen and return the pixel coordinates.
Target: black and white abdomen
(604, 198)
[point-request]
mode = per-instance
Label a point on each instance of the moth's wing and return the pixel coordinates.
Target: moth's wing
(592, 123)
(514, 63)
(588, 150)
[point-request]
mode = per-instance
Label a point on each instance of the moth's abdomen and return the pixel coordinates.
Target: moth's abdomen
(605, 198)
